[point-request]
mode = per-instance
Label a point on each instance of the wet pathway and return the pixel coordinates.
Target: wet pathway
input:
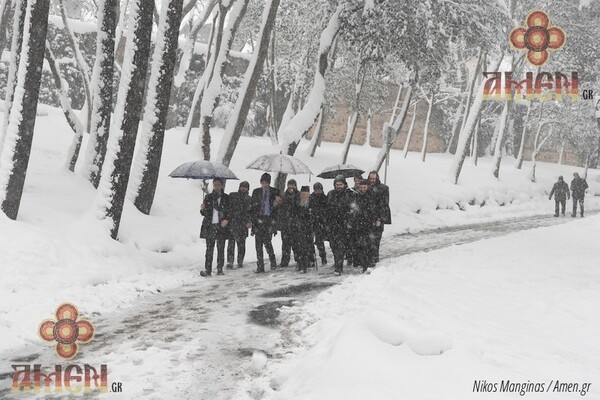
(197, 340)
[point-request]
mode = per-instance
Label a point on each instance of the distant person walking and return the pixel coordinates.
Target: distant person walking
(578, 187)
(214, 208)
(560, 190)
(303, 231)
(383, 215)
(319, 216)
(287, 222)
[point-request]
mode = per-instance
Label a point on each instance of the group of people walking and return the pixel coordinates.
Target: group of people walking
(561, 193)
(350, 219)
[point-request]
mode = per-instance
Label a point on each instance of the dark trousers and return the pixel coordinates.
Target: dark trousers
(320, 243)
(558, 203)
(375, 240)
(338, 247)
(241, 245)
(351, 247)
(262, 238)
(288, 243)
(363, 254)
(575, 201)
(215, 235)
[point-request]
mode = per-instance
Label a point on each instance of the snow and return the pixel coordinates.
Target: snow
(56, 252)
(429, 325)
(77, 26)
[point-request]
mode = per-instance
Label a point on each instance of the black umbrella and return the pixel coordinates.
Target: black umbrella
(346, 170)
(202, 170)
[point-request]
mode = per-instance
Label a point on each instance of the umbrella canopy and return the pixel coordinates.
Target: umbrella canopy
(346, 170)
(279, 163)
(202, 170)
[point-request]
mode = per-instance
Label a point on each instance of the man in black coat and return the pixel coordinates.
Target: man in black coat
(263, 205)
(338, 208)
(578, 187)
(560, 190)
(287, 221)
(239, 223)
(215, 209)
(303, 231)
(360, 223)
(318, 210)
(381, 200)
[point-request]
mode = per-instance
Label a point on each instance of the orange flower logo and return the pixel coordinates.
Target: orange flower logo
(538, 38)
(66, 330)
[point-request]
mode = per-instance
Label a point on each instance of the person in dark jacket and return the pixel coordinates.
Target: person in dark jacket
(214, 208)
(287, 221)
(560, 190)
(264, 203)
(318, 214)
(239, 223)
(360, 223)
(338, 207)
(578, 187)
(303, 230)
(381, 201)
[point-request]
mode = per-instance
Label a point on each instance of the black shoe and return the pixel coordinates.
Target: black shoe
(556, 215)
(573, 215)
(260, 270)
(229, 266)
(220, 272)
(323, 261)
(205, 274)
(283, 265)
(240, 265)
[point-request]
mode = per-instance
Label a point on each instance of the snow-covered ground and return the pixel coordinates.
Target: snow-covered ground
(57, 251)
(518, 309)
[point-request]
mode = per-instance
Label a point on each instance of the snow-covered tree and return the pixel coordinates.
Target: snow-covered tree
(147, 166)
(19, 136)
(115, 172)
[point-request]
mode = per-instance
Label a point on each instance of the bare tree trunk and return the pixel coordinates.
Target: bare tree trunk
(500, 141)
(396, 103)
(475, 153)
(81, 65)
(519, 160)
(410, 130)
(70, 115)
(272, 125)
(147, 167)
(353, 119)
(426, 129)
(5, 12)
(236, 123)
(17, 146)
(561, 153)
(15, 57)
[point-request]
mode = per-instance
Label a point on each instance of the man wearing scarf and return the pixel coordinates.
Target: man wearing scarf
(215, 210)
(264, 204)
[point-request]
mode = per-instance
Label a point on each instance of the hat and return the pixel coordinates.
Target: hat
(292, 182)
(318, 186)
(305, 189)
(265, 177)
(245, 184)
(339, 178)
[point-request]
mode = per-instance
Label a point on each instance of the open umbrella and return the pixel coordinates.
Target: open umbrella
(346, 170)
(279, 163)
(202, 170)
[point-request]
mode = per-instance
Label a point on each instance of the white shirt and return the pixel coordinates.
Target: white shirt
(215, 216)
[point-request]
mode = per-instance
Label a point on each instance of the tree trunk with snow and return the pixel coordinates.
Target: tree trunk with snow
(397, 126)
(561, 152)
(464, 138)
(102, 85)
(212, 90)
(65, 103)
(519, 160)
(410, 130)
(19, 136)
(236, 122)
(319, 130)
(147, 166)
(5, 14)
(426, 129)
(116, 170)
(272, 123)
(396, 104)
(475, 152)
(80, 62)
(15, 57)
(501, 139)
(537, 146)
(369, 128)
(353, 118)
